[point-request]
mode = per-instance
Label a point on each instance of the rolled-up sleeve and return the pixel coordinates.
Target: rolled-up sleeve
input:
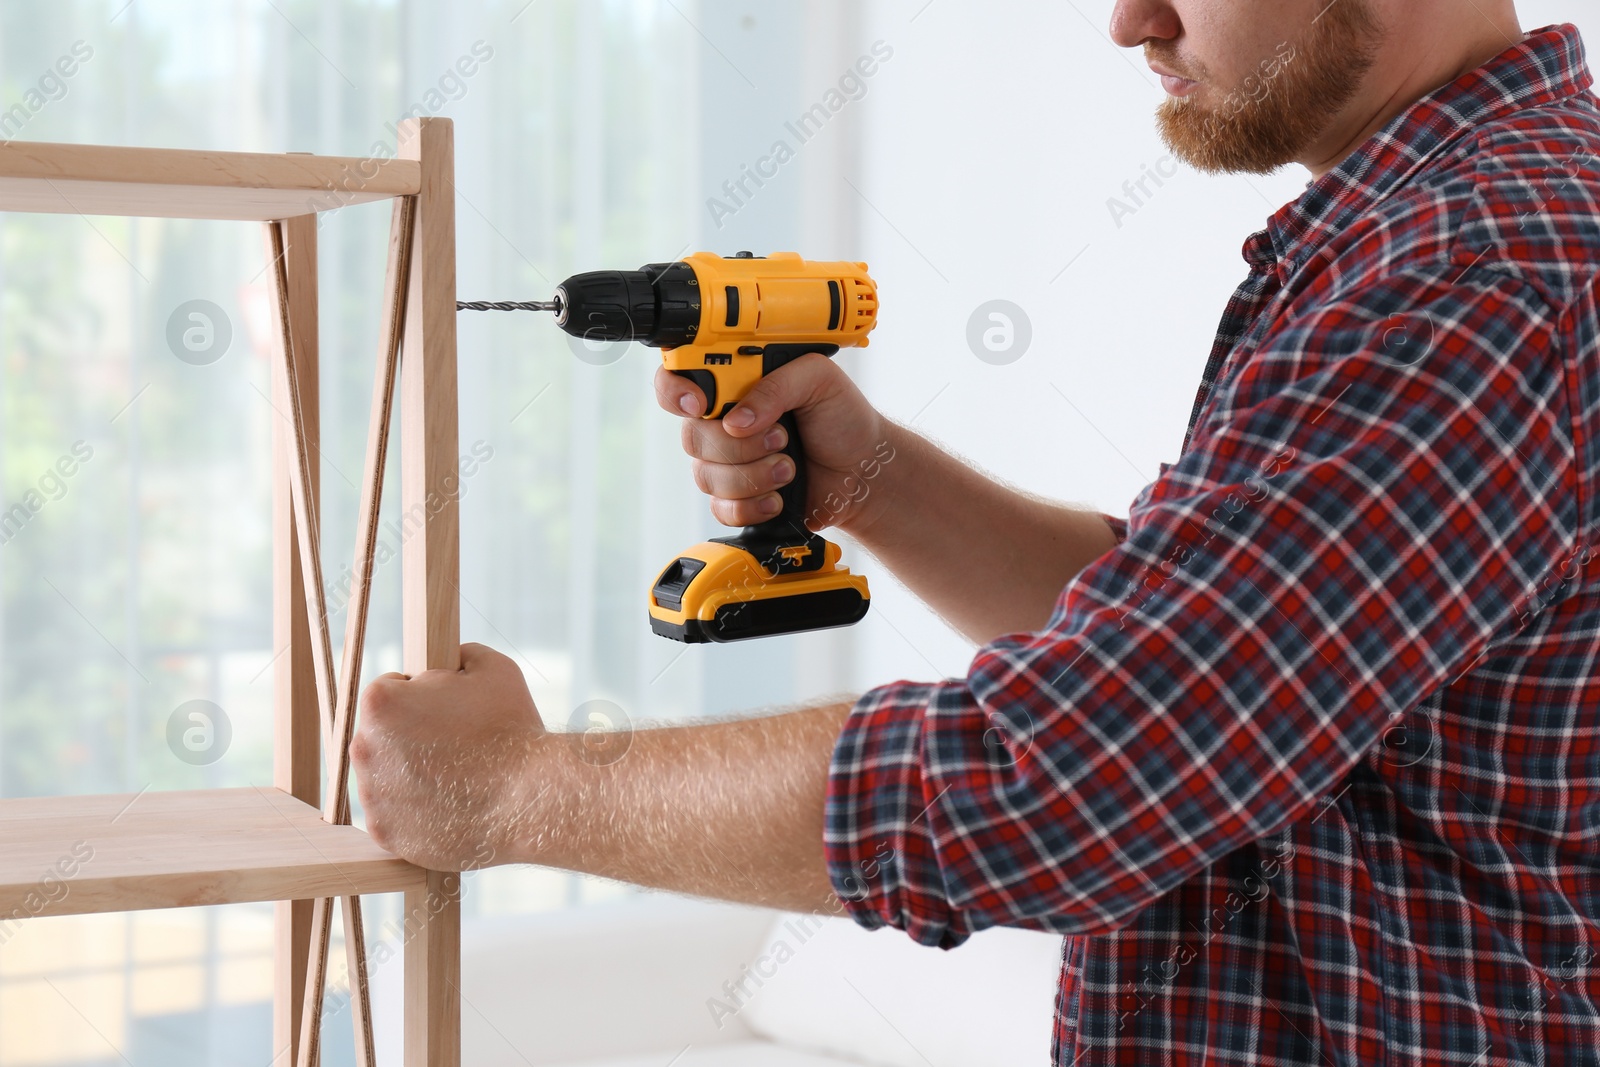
(1358, 515)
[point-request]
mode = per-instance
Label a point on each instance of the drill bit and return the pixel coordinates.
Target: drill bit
(508, 305)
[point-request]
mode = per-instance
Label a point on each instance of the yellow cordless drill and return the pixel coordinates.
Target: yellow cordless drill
(724, 323)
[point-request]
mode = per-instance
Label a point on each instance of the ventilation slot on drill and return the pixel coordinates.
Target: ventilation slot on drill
(864, 298)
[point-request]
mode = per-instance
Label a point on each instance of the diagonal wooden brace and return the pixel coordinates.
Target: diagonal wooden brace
(339, 702)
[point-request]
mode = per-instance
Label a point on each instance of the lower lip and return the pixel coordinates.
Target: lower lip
(1178, 86)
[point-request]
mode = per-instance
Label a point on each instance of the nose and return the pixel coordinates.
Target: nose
(1135, 21)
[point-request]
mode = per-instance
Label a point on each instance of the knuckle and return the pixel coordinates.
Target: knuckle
(691, 439)
(758, 477)
(361, 747)
(365, 798)
(486, 658)
(778, 472)
(377, 703)
(736, 486)
(764, 393)
(700, 471)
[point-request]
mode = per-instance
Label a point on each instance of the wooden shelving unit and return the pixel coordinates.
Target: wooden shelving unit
(289, 843)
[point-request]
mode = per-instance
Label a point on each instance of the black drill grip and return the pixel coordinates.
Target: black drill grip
(787, 529)
(790, 523)
(792, 517)
(782, 544)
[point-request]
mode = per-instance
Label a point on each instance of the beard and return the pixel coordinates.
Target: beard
(1284, 106)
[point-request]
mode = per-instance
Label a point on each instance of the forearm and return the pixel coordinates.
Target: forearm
(990, 559)
(729, 810)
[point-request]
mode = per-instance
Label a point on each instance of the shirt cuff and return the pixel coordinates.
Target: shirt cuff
(877, 835)
(1119, 526)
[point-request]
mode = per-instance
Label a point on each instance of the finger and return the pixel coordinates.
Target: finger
(479, 657)
(678, 394)
(794, 385)
(706, 439)
(741, 481)
(379, 701)
(746, 512)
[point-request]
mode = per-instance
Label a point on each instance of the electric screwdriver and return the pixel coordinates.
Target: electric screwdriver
(725, 323)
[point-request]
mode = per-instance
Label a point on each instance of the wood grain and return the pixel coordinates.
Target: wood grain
(180, 850)
(355, 958)
(291, 341)
(433, 973)
(430, 485)
(184, 184)
(336, 807)
(397, 281)
(432, 565)
(297, 719)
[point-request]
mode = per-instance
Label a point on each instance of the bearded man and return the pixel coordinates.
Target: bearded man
(1302, 755)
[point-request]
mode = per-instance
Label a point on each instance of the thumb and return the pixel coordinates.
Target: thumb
(794, 385)
(476, 657)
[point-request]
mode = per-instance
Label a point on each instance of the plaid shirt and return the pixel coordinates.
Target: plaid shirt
(1308, 765)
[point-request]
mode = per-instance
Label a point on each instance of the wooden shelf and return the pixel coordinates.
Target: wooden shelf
(178, 183)
(177, 850)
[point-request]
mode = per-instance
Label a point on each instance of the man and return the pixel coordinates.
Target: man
(1303, 755)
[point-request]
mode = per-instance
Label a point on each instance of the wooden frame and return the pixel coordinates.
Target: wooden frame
(291, 843)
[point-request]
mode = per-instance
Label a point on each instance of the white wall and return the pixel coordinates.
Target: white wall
(990, 144)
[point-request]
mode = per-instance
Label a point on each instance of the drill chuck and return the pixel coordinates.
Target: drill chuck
(657, 305)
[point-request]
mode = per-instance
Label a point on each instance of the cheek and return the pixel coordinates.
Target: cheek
(1234, 43)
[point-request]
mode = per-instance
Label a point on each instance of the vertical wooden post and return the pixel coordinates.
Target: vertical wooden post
(433, 973)
(429, 490)
(297, 725)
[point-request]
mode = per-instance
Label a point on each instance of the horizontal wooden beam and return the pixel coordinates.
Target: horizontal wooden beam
(185, 184)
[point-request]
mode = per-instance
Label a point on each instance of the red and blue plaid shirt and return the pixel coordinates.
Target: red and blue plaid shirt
(1308, 765)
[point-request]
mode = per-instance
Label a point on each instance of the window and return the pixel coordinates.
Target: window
(135, 630)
